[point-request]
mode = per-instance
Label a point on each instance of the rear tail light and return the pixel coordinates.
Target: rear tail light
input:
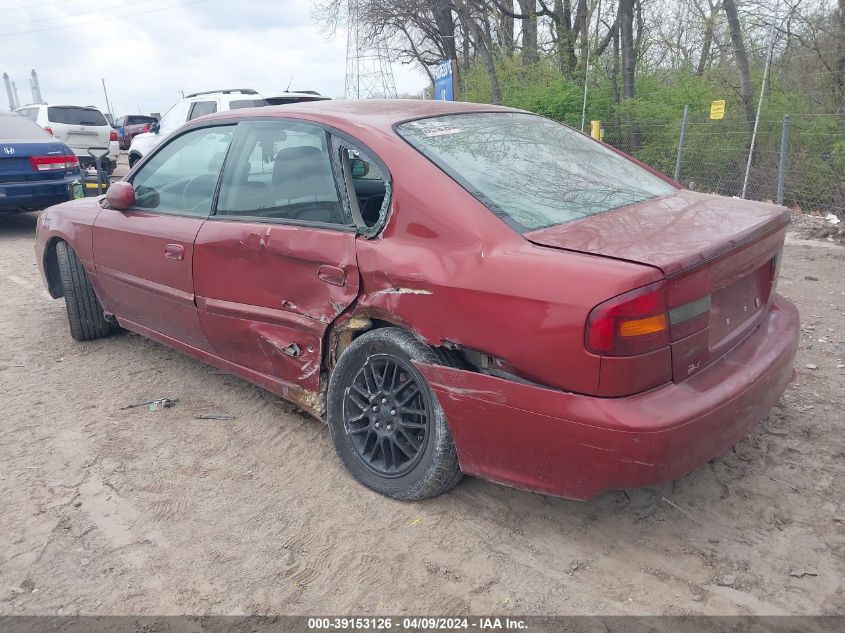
(49, 130)
(113, 135)
(147, 127)
(54, 163)
(632, 323)
(642, 321)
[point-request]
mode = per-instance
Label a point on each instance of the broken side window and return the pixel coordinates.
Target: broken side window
(366, 183)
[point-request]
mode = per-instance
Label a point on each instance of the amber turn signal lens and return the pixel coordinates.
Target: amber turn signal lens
(641, 327)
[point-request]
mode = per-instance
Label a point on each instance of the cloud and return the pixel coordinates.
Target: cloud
(148, 58)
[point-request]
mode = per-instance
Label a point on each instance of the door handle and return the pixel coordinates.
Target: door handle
(175, 252)
(332, 275)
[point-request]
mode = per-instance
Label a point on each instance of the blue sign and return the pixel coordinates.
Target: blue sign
(444, 87)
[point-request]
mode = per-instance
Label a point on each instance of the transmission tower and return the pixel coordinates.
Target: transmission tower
(368, 72)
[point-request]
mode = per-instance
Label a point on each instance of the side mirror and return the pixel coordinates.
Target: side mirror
(120, 196)
(154, 127)
(358, 167)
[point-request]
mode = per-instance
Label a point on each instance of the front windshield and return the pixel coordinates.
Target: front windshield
(531, 171)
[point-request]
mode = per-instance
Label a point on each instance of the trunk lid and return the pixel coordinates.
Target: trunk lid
(672, 233)
(719, 256)
(15, 166)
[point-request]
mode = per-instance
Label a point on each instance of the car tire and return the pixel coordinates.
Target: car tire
(84, 312)
(385, 421)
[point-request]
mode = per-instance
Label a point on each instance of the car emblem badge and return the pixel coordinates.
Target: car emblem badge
(9, 150)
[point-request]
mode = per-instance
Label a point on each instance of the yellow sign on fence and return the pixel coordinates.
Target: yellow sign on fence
(717, 110)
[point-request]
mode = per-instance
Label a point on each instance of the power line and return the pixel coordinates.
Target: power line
(38, 5)
(113, 17)
(66, 15)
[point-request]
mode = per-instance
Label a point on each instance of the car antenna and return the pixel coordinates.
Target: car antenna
(289, 83)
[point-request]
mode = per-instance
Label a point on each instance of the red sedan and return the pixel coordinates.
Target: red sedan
(454, 288)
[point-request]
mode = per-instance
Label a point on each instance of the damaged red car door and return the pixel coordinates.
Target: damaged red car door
(276, 262)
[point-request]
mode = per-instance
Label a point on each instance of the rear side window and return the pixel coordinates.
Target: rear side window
(530, 171)
(246, 103)
(71, 115)
(19, 128)
(201, 108)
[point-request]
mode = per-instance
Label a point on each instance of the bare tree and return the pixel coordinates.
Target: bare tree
(709, 27)
(626, 46)
(477, 37)
(528, 27)
(741, 58)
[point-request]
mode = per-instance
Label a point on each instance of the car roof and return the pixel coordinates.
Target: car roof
(61, 105)
(381, 114)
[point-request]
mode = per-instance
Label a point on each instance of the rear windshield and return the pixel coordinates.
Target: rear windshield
(72, 115)
(137, 119)
(247, 103)
(19, 128)
(531, 171)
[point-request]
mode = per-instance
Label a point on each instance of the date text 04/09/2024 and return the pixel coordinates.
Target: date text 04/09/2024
(416, 623)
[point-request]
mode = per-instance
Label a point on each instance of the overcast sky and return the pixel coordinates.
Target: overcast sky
(191, 45)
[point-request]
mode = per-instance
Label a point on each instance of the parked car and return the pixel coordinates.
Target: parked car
(129, 125)
(455, 288)
(36, 170)
(286, 98)
(191, 107)
(80, 127)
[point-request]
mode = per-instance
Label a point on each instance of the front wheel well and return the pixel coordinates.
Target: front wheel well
(51, 270)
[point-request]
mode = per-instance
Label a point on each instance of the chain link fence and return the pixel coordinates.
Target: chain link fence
(798, 160)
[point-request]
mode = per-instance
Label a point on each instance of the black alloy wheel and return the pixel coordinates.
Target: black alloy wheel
(386, 423)
(386, 416)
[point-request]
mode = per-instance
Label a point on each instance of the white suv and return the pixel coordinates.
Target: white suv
(193, 106)
(80, 128)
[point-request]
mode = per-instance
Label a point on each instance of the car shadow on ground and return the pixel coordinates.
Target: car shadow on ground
(18, 223)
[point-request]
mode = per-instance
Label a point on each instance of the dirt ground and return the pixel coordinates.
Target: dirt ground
(111, 511)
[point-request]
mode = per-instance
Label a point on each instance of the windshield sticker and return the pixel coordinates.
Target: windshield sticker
(443, 132)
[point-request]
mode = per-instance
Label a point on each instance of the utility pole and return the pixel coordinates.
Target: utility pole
(108, 105)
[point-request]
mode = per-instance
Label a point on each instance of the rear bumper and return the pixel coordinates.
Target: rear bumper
(577, 446)
(35, 194)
